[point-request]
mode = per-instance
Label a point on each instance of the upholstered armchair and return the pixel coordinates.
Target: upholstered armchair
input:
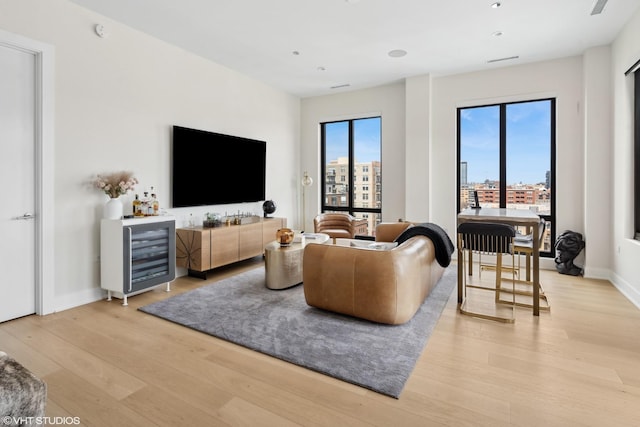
(339, 225)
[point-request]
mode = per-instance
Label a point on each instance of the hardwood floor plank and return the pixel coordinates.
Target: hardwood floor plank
(546, 409)
(164, 409)
(146, 367)
(90, 403)
(451, 394)
(39, 364)
(54, 410)
(239, 412)
(108, 377)
(432, 404)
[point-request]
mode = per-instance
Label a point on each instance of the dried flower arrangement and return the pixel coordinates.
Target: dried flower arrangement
(115, 184)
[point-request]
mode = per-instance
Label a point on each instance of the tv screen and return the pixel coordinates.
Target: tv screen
(214, 169)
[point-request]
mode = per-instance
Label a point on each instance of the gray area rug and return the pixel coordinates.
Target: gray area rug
(279, 323)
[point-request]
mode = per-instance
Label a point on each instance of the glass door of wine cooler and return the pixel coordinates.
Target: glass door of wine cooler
(149, 255)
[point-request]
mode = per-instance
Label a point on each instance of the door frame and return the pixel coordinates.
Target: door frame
(44, 165)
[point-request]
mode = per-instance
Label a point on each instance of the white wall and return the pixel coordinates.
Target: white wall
(625, 51)
(116, 99)
(418, 125)
(597, 181)
(386, 101)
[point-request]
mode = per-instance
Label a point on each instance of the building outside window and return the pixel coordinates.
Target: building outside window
(352, 147)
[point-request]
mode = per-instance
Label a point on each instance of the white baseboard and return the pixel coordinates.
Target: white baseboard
(597, 273)
(76, 299)
(547, 264)
(626, 289)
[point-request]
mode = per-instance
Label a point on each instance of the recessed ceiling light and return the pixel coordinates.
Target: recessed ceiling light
(397, 53)
(295, 52)
(497, 33)
(496, 5)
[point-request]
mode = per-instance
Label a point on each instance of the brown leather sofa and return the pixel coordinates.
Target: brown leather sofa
(339, 225)
(384, 286)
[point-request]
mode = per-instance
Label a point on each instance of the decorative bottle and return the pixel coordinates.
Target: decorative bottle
(137, 208)
(155, 204)
(144, 206)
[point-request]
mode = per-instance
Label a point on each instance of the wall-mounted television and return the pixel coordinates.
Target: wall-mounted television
(210, 168)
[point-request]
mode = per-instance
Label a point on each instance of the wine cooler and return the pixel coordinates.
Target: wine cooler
(137, 255)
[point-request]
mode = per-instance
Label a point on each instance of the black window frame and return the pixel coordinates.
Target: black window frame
(636, 149)
(503, 160)
(350, 174)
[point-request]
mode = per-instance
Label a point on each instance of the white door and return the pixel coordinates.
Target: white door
(17, 183)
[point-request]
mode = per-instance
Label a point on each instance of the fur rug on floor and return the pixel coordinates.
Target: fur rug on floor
(22, 394)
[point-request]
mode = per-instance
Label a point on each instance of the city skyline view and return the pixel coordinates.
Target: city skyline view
(528, 150)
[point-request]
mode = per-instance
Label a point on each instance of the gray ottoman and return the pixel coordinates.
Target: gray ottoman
(22, 394)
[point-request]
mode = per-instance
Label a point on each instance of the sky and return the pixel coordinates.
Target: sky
(366, 136)
(528, 142)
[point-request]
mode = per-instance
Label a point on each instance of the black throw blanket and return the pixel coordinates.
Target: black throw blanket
(439, 237)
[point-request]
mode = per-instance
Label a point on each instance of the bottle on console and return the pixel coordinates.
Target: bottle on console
(155, 205)
(137, 207)
(144, 206)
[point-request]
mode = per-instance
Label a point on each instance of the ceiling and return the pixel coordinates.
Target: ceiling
(316, 47)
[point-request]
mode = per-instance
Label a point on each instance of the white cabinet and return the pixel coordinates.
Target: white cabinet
(137, 255)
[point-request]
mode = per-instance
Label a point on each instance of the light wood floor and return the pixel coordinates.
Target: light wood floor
(109, 365)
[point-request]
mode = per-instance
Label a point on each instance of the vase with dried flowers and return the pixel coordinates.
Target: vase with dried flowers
(115, 185)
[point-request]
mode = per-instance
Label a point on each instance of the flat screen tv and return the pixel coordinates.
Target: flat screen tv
(210, 168)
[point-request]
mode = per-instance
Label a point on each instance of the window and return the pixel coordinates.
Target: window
(351, 153)
(506, 155)
(636, 131)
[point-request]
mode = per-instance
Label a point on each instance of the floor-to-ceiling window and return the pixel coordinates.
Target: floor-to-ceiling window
(351, 168)
(636, 130)
(506, 157)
